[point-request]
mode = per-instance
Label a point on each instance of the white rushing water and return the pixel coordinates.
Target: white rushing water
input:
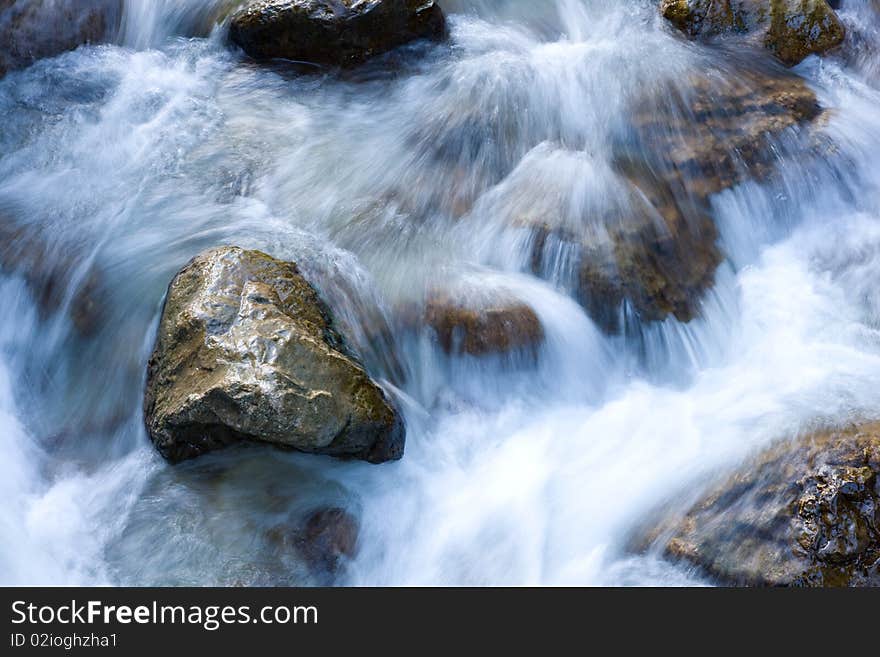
(129, 159)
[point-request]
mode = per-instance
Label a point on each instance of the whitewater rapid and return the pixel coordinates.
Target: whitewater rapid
(134, 157)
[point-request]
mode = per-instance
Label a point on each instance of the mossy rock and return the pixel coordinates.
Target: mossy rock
(247, 351)
(791, 29)
(802, 513)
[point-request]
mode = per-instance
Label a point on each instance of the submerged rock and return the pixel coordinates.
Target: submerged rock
(660, 266)
(708, 134)
(501, 326)
(656, 257)
(333, 32)
(791, 29)
(657, 252)
(805, 513)
(34, 29)
(328, 537)
(55, 276)
(246, 350)
(323, 540)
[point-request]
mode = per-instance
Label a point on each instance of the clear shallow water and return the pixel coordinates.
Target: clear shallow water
(128, 159)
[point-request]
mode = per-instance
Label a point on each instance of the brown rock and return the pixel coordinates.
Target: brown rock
(322, 541)
(712, 134)
(328, 537)
(503, 326)
(688, 141)
(791, 29)
(802, 513)
(55, 277)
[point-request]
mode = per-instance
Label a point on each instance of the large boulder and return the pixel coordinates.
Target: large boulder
(657, 253)
(247, 351)
(33, 29)
(791, 29)
(333, 32)
(802, 513)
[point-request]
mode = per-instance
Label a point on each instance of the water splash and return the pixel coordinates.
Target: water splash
(151, 23)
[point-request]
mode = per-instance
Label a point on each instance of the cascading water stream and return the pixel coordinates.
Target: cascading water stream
(123, 161)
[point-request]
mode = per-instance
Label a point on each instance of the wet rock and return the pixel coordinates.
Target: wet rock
(805, 513)
(322, 541)
(707, 134)
(247, 351)
(658, 253)
(333, 32)
(56, 276)
(232, 518)
(654, 261)
(791, 29)
(34, 29)
(328, 537)
(498, 325)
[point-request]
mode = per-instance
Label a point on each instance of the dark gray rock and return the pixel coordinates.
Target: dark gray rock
(34, 29)
(333, 32)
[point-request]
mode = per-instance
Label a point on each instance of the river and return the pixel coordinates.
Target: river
(128, 159)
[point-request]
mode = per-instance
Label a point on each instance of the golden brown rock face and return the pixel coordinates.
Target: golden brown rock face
(502, 327)
(791, 29)
(686, 142)
(802, 513)
(661, 271)
(713, 134)
(246, 350)
(334, 32)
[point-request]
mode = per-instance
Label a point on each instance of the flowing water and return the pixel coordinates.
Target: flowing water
(123, 161)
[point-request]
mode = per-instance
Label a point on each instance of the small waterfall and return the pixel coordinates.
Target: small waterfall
(149, 23)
